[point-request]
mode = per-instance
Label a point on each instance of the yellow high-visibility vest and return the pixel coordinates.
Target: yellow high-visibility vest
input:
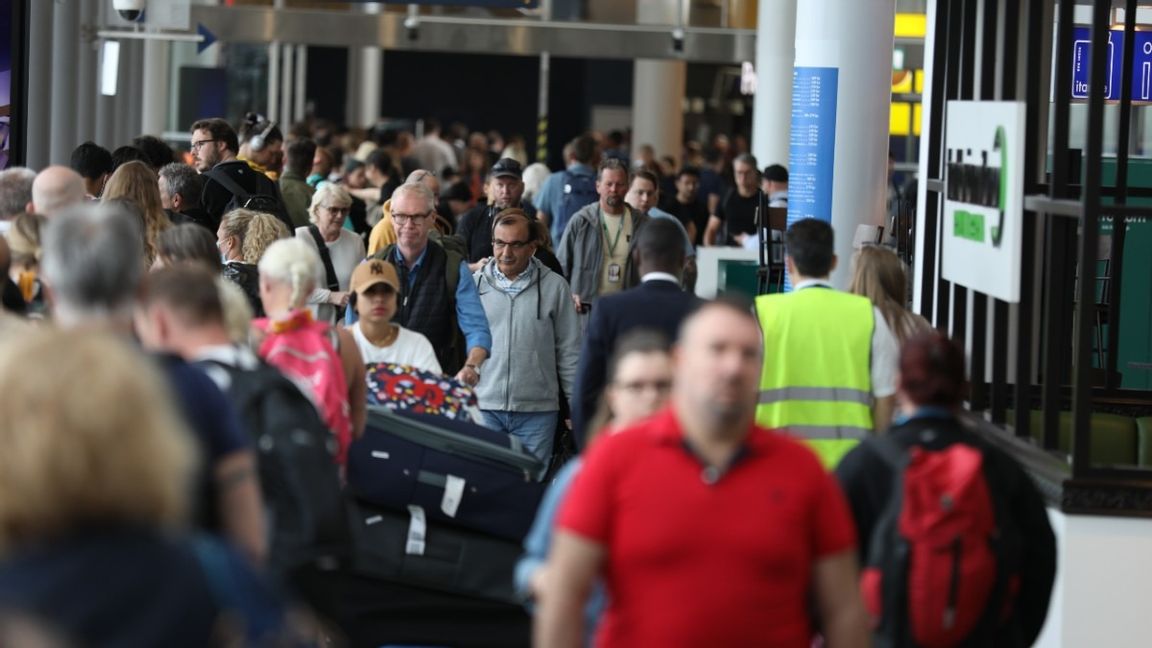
(817, 379)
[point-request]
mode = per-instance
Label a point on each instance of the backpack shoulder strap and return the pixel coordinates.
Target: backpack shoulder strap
(386, 253)
(325, 257)
(891, 452)
(452, 271)
(231, 185)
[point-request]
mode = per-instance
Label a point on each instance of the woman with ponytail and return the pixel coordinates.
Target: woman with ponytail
(317, 356)
(242, 238)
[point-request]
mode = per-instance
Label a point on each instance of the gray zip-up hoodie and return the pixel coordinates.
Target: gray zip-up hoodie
(535, 341)
(581, 252)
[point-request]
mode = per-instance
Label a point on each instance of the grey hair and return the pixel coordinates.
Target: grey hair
(419, 190)
(337, 194)
(182, 179)
(15, 191)
(749, 159)
(93, 260)
(294, 262)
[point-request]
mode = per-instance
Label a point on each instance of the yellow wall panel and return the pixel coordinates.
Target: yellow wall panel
(898, 118)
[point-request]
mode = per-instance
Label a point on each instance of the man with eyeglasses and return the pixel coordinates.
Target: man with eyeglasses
(658, 303)
(230, 182)
(437, 297)
(535, 336)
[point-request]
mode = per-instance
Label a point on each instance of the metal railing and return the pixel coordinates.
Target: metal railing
(1002, 50)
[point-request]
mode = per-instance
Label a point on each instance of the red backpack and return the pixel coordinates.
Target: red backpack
(304, 350)
(938, 572)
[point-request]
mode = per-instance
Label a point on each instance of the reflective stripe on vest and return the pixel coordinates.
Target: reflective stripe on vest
(817, 379)
(834, 394)
(828, 432)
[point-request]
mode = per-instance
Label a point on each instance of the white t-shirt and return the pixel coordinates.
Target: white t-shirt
(410, 348)
(885, 349)
(347, 252)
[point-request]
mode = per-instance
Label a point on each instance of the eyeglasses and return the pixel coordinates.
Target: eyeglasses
(515, 245)
(635, 387)
(404, 219)
(342, 211)
(196, 145)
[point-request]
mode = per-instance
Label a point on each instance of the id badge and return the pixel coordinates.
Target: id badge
(614, 273)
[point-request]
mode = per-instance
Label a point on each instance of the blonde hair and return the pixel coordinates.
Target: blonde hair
(293, 262)
(237, 310)
(24, 239)
(254, 230)
(327, 190)
(878, 274)
(74, 461)
(136, 182)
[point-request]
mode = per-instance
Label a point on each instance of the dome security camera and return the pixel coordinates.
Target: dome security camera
(130, 10)
(412, 27)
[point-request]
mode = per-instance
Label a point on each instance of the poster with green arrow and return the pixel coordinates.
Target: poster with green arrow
(984, 201)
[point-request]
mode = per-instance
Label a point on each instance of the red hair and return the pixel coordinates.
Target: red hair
(932, 370)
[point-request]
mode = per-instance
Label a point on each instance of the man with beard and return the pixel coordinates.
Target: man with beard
(706, 528)
(596, 249)
(228, 181)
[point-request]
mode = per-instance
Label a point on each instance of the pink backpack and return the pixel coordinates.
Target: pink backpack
(304, 350)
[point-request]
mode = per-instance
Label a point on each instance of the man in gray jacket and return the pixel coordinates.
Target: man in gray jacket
(596, 250)
(535, 336)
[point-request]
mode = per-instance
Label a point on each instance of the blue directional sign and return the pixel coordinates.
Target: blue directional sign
(1141, 64)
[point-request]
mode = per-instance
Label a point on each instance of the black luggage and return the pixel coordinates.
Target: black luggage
(408, 548)
(456, 471)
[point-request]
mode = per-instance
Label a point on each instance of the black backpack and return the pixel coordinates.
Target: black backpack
(242, 199)
(299, 477)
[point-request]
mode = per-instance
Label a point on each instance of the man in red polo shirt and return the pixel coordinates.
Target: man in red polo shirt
(706, 529)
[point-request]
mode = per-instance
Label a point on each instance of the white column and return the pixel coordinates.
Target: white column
(371, 85)
(772, 104)
(658, 86)
(300, 88)
(838, 158)
(928, 120)
(657, 95)
(371, 79)
(287, 81)
(273, 112)
(154, 106)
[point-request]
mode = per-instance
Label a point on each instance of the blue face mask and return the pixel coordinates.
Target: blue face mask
(223, 255)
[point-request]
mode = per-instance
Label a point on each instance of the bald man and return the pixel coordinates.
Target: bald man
(384, 233)
(56, 188)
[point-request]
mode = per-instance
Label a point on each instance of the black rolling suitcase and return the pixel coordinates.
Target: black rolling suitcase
(455, 471)
(408, 548)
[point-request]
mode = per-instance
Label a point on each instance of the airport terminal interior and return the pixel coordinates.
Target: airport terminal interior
(872, 364)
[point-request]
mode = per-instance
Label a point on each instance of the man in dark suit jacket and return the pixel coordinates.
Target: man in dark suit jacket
(658, 303)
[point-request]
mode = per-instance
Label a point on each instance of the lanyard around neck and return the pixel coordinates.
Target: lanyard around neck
(604, 224)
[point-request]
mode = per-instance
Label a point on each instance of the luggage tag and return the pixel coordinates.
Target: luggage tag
(614, 273)
(453, 493)
(417, 531)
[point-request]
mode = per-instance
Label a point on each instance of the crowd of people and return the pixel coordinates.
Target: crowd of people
(746, 470)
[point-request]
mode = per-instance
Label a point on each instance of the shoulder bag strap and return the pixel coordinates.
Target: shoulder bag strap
(329, 269)
(229, 184)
